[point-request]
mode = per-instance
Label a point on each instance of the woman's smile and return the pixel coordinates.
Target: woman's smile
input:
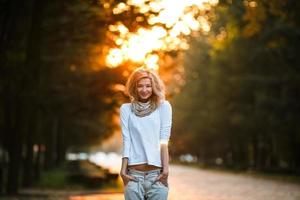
(144, 88)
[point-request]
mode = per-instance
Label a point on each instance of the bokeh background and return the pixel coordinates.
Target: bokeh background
(231, 70)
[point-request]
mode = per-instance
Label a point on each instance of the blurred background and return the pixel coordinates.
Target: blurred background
(231, 69)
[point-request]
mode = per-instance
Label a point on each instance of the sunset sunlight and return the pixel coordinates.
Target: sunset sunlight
(172, 23)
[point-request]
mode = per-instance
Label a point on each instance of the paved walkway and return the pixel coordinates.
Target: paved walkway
(188, 183)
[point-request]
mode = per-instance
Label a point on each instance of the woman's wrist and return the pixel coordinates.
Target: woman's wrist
(165, 169)
(123, 172)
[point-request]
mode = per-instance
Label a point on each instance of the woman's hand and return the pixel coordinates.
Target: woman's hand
(126, 178)
(163, 177)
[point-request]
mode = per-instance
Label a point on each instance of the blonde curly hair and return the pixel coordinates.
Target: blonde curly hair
(158, 87)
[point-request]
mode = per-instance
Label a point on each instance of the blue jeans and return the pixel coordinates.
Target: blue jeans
(145, 186)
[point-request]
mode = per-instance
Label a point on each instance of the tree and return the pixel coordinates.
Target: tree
(240, 78)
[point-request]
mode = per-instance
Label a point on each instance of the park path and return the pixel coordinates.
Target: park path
(187, 183)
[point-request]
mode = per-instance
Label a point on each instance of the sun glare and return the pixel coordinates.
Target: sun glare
(181, 18)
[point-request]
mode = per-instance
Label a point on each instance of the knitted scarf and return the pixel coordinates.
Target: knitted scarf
(143, 109)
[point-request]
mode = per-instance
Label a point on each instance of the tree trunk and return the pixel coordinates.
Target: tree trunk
(51, 144)
(37, 166)
(33, 62)
(39, 125)
(61, 149)
(14, 148)
(27, 180)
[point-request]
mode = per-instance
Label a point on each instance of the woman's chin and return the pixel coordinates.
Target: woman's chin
(144, 98)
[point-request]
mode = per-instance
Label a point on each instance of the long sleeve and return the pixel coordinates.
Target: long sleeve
(124, 114)
(166, 122)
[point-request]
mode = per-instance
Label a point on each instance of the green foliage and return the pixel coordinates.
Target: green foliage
(55, 179)
(240, 101)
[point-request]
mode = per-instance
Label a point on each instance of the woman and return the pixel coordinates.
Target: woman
(146, 126)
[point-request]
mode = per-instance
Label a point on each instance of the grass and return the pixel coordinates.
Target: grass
(56, 179)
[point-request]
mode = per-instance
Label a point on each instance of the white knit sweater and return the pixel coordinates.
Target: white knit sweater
(142, 135)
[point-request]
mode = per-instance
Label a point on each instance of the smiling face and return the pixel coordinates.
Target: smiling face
(144, 89)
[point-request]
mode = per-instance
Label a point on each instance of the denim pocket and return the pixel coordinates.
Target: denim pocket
(162, 184)
(130, 181)
(159, 183)
(127, 183)
(132, 185)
